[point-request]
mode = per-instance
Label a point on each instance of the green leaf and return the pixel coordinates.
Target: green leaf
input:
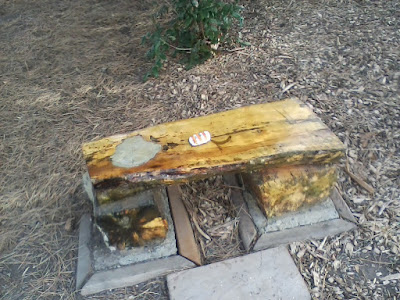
(195, 25)
(154, 72)
(244, 43)
(188, 22)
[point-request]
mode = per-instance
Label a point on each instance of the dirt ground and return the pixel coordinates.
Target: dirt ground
(70, 72)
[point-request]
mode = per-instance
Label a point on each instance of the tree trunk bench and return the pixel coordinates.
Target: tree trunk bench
(286, 152)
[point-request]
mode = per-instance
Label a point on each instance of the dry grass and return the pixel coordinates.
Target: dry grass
(71, 72)
(215, 222)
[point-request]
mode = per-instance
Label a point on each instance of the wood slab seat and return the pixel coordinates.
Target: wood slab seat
(282, 133)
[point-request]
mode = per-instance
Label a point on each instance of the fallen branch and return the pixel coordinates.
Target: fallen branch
(358, 180)
(235, 49)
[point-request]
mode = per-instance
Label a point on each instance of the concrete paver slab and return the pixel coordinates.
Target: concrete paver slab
(133, 274)
(267, 275)
(84, 266)
(302, 233)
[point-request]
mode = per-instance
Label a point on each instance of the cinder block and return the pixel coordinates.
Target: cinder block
(327, 218)
(100, 269)
(104, 258)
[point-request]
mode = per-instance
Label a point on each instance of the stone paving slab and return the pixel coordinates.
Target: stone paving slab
(84, 265)
(134, 274)
(268, 275)
(302, 233)
(327, 218)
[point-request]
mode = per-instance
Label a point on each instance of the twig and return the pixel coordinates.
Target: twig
(176, 48)
(288, 87)
(205, 235)
(234, 187)
(235, 49)
(357, 179)
(391, 277)
(317, 255)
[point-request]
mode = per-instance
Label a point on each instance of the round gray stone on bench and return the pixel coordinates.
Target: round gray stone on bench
(133, 152)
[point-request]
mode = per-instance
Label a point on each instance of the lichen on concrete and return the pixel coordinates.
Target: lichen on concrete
(133, 152)
(105, 257)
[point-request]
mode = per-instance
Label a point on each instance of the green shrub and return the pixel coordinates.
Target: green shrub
(196, 26)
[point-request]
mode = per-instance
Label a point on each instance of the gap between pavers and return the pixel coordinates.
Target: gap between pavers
(269, 274)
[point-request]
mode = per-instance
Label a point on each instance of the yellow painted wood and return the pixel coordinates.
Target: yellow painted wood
(272, 134)
(285, 189)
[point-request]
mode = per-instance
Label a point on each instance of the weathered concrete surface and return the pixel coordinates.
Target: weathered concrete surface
(288, 188)
(133, 152)
(88, 186)
(255, 212)
(104, 258)
(101, 270)
(269, 274)
(84, 265)
(142, 199)
(247, 229)
(318, 221)
(133, 274)
(314, 231)
(319, 212)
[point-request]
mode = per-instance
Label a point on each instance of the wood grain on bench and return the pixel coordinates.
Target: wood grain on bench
(272, 134)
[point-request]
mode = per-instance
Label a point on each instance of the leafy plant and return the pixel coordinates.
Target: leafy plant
(196, 30)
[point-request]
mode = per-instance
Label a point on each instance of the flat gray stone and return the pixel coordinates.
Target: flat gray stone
(265, 275)
(134, 274)
(133, 152)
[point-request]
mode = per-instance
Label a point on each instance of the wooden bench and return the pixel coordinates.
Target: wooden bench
(278, 144)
